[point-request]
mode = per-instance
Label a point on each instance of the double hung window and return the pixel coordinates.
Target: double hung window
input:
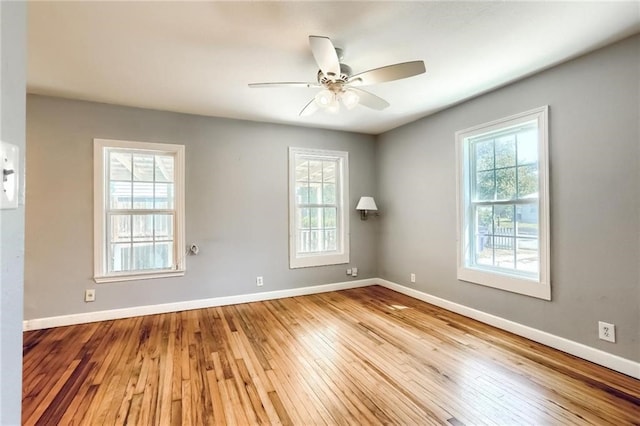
(139, 210)
(503, 204)
(319, 226)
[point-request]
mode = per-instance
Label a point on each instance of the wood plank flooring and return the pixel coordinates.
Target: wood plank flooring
(361, 356)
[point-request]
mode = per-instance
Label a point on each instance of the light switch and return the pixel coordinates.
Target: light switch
(9, 161)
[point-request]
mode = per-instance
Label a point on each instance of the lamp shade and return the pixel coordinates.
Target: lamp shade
(325, 98)
(366, 203)
(350, 99)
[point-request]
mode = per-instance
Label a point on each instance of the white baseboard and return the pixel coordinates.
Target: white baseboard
(614, 362)
(60, 321)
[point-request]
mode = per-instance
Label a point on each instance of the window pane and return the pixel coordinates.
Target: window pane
(482, 236)
(314, 241)
(503, 220)
(504, 252)
(143, 256)
(163, 193)
(163, 226)
(302, 193)
(142, 227)
(120, 195)
(330, 214)
(329, 171)
(506, 184)
(315, 217)
(505, 151)
(302, 170)
(119, 257)
(528, 146)
(119, 166)
(528, 181)
(120, 228)
(304, 241)
(484, 251)
(163, 255)
(485, 186)
(503, 240)
(143, 168)
(329, 193)
(142, 195)
(484, 155)
(527, 255)
(164, 168)
(330, 240)
(527, 220)
(304, 220)
(315, 171)
(315, 193)
(484, 220)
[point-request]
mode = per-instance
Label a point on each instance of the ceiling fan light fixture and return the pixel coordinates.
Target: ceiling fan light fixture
(325, 98)
(334, 106)
(350, 99)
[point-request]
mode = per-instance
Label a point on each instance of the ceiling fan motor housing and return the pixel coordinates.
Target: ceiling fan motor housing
(327, 81)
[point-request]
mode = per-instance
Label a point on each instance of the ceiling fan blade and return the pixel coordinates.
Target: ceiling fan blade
(283, 84)
(309, 108)
(388, 73)
(325, 55)
(369, 99)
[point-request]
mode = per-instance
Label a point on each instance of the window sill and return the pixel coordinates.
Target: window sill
(514, 284)
(139, 276)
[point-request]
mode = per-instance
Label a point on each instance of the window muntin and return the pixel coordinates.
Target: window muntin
(319, 226)
(503, 204)
(139, 210)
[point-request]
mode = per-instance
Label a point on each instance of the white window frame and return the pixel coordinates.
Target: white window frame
(341, 255)
(539, 287)
(100, 147)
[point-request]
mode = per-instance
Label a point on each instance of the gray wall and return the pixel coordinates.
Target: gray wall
(595, 199)
(13, 36)
(236, 205)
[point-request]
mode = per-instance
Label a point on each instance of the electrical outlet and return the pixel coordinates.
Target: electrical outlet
(348, 271)
(354, 272)
(90, 295)
(413, 278)
(607, 331)
(259, 281)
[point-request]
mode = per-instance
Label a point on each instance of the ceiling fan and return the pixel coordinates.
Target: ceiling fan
(339, 84)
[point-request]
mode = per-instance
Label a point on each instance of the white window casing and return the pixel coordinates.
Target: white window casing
(497, 164)
(141, 234)
(318, 207)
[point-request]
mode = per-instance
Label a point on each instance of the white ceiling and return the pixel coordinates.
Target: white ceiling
(198, 57)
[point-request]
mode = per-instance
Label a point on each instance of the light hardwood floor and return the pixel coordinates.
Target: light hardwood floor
(361, 356)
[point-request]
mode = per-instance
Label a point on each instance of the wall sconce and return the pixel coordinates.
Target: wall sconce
(364, 205)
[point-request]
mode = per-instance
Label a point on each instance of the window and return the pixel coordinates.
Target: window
(318, 224)
(503, 204)
(139, 210)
